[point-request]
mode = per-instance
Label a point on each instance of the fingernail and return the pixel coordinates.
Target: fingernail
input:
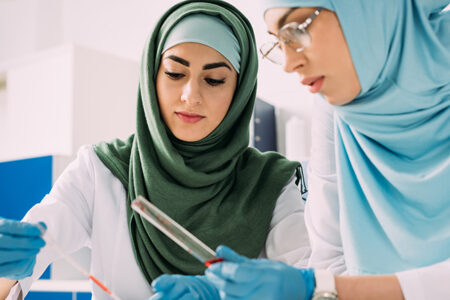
(43, 225)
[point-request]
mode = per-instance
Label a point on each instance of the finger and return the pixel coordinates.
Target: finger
(189, 296)
(168, 296)
(163, 282)
(20, 242)
(217, 281)
(231, 288)
(239, 272)
(173, 286)
(225, 296)
(228, 254)
(239, 290)
(225, 270)
(29, 268)
(16, 255)
(157, 296)
(18, 269)
(13, 227)
(42, 227)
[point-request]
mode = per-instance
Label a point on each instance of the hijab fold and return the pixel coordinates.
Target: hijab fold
(218, 188)
(393, 140)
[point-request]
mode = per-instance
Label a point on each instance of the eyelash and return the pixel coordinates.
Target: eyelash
(174, 75)
(210, 81)
(214, 82)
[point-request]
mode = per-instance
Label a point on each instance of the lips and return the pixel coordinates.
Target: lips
(315, 83)
(188, 117)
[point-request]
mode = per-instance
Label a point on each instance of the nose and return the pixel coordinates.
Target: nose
(292, 59)
(191, 93)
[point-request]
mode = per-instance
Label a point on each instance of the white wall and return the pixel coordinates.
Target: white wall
(37, 127)
(116, 27)
(28, 26)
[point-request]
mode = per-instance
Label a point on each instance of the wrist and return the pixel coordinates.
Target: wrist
(325, 287)
(309, 281)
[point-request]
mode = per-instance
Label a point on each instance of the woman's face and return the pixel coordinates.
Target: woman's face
(326, 65)
(195, 86)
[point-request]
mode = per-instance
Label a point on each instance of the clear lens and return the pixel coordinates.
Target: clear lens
(304, 39)
(297, 39)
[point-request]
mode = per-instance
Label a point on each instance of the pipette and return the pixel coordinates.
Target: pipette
(51, 242)
(175, 231)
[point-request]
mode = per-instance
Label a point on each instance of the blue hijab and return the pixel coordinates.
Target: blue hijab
(393, 141)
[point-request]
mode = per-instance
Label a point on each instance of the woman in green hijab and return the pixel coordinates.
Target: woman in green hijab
(189, 156)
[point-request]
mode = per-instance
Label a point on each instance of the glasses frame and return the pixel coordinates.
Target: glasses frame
(292, 25)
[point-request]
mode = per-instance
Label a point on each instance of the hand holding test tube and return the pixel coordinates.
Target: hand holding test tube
(175, 231)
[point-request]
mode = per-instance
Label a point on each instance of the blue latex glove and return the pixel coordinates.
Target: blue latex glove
(239, 277)
(20, 242)
(183, 287)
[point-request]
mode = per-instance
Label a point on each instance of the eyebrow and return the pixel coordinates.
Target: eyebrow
(283, 18)
(178, 60)
(205, 67)
(216, 65)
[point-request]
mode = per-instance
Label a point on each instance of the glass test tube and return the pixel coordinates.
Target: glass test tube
(175, 231)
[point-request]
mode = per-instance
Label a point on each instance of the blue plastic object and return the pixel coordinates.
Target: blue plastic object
(180, 287)
(241, 278)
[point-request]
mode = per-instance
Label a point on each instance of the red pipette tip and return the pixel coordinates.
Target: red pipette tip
(100, 284)
(208, 263)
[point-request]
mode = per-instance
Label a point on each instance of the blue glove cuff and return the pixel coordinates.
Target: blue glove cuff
(310, 282)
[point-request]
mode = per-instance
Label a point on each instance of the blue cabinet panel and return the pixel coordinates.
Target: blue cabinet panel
(49, 296)
(84, 296)
(265, 129)
(24, 183)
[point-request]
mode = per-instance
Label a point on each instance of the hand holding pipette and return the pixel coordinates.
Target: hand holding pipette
(69, 259)
(20, 242)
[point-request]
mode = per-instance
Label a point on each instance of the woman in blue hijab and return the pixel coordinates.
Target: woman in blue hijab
(378, 213)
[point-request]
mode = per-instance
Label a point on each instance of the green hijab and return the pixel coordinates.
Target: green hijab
(217, 188)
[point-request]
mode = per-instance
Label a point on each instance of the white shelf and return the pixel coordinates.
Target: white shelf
(50, 285)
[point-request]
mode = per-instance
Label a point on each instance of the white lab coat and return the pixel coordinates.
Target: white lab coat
(86, 207)
(322, 217)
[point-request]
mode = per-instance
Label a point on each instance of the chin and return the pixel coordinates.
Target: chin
(188, 137)
(337, 100)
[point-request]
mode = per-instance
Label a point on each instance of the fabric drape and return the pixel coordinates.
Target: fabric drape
(393, 140)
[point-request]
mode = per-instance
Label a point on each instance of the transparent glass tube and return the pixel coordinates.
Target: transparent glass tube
(174, 231)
